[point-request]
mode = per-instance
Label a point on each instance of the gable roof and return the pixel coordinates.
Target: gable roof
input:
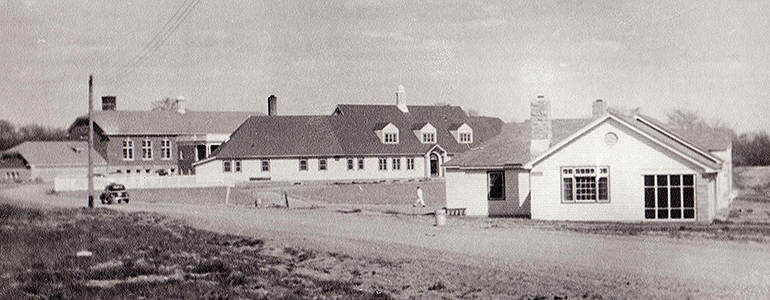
(55, 153)
(350, 131)
(512, 146)
(165, 122)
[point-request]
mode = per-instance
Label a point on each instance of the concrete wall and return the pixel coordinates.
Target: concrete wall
(48, 174)
(131, 182)
(287, 169)
(468, 189)
(628, 160)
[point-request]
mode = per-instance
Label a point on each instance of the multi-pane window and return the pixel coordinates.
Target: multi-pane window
(146, 149)
(466, 137)
(322, 164)
(303, 164)
(128, 149)
(227, 166)
(410, 163)
(585, 184)
(350, 164)
(428, 137)
(165, 149)
(396, 163)
(390, 138)
(360, 163)
(237, 166)
(383, 163)
(495, 185)
(265, 165)
(669, 196)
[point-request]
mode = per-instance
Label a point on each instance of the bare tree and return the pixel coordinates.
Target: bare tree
(473, 112)
(167, 104)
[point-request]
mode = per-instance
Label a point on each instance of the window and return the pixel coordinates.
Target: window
(227, 166)
(350, 164)
(181, 155)
(396, 163)
(128, 150)
(165, 149)
(391, 138)
(466, 137)
(212, 148)
(495, 185)
(585, 184)
(360, 163)
(146, 149)
(322, 164)
(303, 164)
(238, 166)
(383, 163)
(410, 163)
(428, 137)
(265, 165)
(669, 196)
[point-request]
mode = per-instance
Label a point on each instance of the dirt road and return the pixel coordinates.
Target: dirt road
(714, 268)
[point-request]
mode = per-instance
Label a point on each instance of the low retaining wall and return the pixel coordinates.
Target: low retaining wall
(62, 184)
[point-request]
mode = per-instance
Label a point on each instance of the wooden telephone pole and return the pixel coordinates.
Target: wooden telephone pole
(90, 141)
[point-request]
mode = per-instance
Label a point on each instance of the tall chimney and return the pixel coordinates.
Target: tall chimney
(272, 105)
(109, 102)
(542, 132)
(598, 109)
(180, 105)
(401, 99)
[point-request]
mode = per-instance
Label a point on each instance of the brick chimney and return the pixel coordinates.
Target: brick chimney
(542, 131)
(180, 105)
(598, 109)
(109, 103)
(272, 105)
(401, 99)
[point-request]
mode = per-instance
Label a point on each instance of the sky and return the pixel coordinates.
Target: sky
(495, 57)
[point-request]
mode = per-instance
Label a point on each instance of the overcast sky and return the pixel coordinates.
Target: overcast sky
(492, 56)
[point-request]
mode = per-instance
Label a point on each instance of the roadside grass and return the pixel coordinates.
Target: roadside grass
(143, 255)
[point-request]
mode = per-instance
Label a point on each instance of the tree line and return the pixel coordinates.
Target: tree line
(12, 135)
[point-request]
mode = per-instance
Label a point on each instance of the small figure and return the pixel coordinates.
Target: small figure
(419, 201)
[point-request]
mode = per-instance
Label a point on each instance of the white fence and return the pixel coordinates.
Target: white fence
(61, 184)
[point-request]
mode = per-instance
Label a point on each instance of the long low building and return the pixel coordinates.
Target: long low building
(46, 160)
(355, 142)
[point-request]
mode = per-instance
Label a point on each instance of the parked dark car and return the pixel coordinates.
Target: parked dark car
(114, 192)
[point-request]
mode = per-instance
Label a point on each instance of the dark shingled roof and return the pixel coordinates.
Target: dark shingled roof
(165, 122)
(55, 153)
(350, 131)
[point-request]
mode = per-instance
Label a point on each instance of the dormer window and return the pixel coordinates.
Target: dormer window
(425, 132)
(388, 133)
(462, 133)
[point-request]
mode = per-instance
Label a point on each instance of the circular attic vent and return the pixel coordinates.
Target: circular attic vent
(610, 138)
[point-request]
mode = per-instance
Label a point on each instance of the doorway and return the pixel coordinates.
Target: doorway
(434, 165)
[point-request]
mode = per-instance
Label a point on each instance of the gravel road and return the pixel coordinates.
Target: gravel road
(718, 269)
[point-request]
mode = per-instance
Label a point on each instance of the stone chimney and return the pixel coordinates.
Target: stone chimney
(109, 103)
(272, 105)
(180, 105)
(598, 109)
(401, 99)
(542, 131)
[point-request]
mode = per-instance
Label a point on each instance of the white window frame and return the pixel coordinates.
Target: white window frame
(361, 163)
(265, 165)
(303, 164)
(238, 166)
(351, 165)
(323, 164)
(390, 137)
(428, 137)
(128, 149)
(590, 192)
(146, 149)
(396, 163)
(227, 166)
(490, 184)
(465, 137)
(383, 163)
(165, 149)
(410, 163)
(657, 186)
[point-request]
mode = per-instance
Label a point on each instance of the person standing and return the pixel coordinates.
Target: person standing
(419, 201)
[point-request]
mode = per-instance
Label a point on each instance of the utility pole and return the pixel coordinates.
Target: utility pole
(90, 141)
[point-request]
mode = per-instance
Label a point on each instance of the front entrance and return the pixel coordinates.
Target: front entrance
(434, 165)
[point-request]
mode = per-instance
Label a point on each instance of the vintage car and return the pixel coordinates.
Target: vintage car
(114, 192)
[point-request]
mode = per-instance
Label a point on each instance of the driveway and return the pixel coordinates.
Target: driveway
(726, 268)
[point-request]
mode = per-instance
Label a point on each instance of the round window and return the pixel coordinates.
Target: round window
(610, 138)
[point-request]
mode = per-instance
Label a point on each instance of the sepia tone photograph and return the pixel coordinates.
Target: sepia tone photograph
(384, 149)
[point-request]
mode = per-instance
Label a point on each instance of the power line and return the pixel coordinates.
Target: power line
(173, 23)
